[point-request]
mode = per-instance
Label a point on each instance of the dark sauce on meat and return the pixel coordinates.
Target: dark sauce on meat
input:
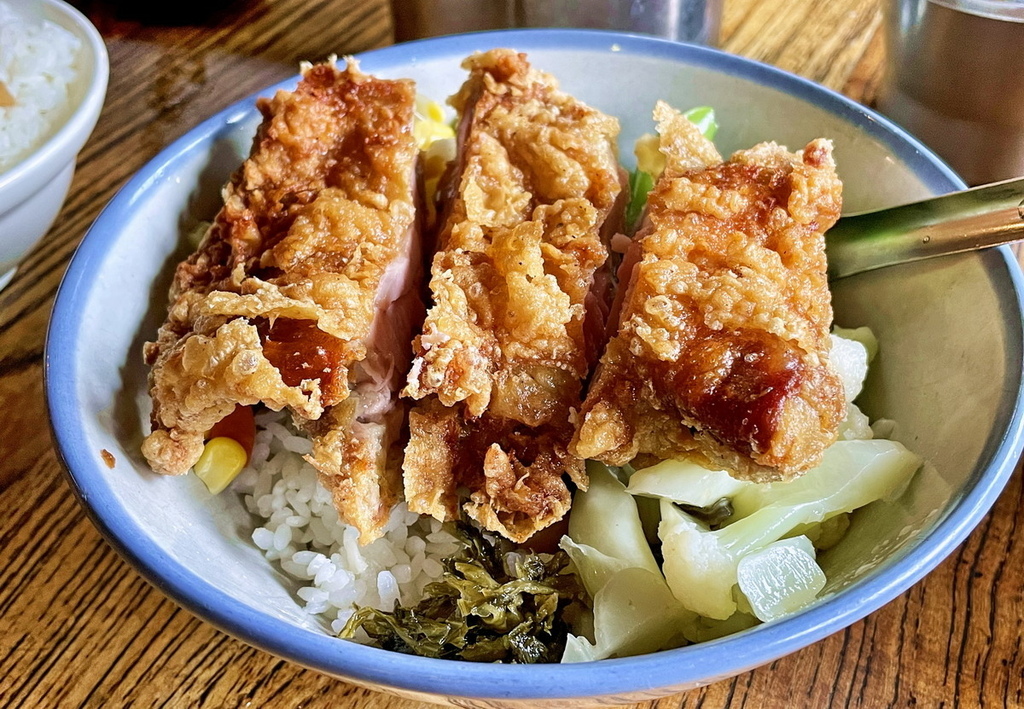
(301, 350)
(740, 401)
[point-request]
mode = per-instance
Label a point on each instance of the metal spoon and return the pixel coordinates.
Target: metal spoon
(977, 218)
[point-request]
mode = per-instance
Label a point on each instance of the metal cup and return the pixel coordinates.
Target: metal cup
(684, 20)
(954, 79)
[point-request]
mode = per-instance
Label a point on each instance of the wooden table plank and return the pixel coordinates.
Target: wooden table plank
(78, 627)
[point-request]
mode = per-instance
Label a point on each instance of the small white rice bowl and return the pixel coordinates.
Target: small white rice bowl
(38, 66)
(53, 65)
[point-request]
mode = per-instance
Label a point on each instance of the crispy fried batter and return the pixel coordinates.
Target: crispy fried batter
(509, 337)
(722, 345)
(282, 302)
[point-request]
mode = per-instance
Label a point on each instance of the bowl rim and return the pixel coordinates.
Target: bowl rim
(656, 673)
(36, 168)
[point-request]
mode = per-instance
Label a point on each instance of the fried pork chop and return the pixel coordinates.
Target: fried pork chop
(722, 343)
(519, 300)
(305, 291)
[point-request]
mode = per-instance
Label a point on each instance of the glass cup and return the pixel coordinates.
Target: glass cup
(955, 78)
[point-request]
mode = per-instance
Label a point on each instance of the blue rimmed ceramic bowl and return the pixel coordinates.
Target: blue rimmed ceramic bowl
(949, 373)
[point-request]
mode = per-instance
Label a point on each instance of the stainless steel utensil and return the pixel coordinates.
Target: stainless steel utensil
(977, 218)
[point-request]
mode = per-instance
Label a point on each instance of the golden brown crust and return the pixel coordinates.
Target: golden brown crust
(512, 471)
(279, 303)
(723, 338)
(505, 344)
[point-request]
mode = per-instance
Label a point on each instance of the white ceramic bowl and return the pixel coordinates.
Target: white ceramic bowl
(33, 191)
(949, 373)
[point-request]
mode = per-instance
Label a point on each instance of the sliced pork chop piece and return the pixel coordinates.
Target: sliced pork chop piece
(721, 351)
(519, 300)
(305, 291)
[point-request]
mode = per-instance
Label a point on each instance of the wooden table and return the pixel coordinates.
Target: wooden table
(78, 627)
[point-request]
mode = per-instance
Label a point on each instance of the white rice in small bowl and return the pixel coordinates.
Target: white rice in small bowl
(39, 65)
(54, 70)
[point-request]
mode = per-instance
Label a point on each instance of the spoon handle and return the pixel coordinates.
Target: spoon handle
(963, 221)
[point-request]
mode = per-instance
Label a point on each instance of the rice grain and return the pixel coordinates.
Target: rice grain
(295, 524)
(37, 69)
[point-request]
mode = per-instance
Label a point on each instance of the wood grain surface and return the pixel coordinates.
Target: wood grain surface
(78, 627)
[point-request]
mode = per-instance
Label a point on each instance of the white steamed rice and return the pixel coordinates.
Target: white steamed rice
(37, 67)
(299, 528)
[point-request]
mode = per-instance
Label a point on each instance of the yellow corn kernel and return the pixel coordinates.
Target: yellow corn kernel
(426, 132)
(648, 155)
(429, 125)
(222, 460)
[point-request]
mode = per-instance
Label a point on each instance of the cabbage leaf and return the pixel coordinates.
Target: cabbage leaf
(635, 612)
(781, 578)
(700, 565)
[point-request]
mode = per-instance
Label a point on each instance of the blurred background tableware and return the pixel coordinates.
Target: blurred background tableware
(33, 188)
(955, 79)
(684, 20)
(163, 14)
